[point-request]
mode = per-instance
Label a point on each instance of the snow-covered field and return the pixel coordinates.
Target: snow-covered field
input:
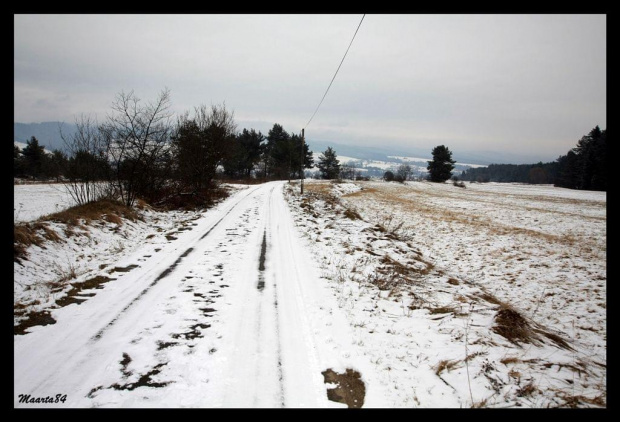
(32, 201)
(493, 295)
(434, 295)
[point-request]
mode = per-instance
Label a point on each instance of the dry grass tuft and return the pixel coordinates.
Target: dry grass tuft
(351, 214)
(441, 310)
(527, 390)
(491, 299)
(509, 360)
(113, 218)
(511, 325)
(559, 341)
(106, 209)
(445, 365)
(28, 234)
(573, 402)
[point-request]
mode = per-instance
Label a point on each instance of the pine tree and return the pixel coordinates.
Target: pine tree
(329, 166)
(440, 168)
(34, 157)
(278, 148)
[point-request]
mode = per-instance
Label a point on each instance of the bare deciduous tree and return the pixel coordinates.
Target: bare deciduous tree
(200, 143)
(137, 136)
(403, 172)
(88, 169)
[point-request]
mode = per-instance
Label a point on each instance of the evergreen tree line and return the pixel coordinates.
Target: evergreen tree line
(540, 173)
(583, 167)
(140, 151)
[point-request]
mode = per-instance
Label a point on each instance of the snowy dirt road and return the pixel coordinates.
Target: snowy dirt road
(229, 314)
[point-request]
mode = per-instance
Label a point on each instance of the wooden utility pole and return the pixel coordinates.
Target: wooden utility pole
(301, 173)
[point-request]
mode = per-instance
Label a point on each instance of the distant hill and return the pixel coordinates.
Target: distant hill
(47, 133)
(384, 153)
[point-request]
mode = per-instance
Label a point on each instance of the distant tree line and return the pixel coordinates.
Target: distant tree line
(583, 167)
(141, 151)
(34, 161)
(540, 173)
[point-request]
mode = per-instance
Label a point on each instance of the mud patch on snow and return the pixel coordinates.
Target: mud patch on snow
(32, 319)
(195, 332)
(71, 297)
(124, 269)
(350, 388)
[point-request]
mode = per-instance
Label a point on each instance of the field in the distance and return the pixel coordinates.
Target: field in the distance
(540, 248)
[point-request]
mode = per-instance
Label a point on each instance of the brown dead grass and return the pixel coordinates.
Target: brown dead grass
(511, 325)
(407, 200)
(28, 234)
(444, 365)
(112, 211)
(36, 233)
(577, 401)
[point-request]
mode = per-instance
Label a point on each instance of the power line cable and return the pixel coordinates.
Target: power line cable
(330, 84)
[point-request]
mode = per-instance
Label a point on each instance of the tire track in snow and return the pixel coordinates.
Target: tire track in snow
(166, 272)
(275, 302)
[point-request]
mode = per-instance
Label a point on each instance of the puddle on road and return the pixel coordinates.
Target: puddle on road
(350, 388)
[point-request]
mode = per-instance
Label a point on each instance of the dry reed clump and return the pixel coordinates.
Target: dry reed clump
(511, 325)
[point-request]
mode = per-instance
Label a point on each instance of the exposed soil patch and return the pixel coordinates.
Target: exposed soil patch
(93, 283)
(165, 344)
(193, 333)
(144, 380)
(33, 318)
(350, 388)
(124, 269)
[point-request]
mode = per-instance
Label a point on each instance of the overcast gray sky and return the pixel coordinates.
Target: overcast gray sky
(515, 84)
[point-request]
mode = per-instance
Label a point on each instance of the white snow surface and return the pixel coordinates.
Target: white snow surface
(425, 272)
(190, 317)
(184, 322)
(31, 201)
